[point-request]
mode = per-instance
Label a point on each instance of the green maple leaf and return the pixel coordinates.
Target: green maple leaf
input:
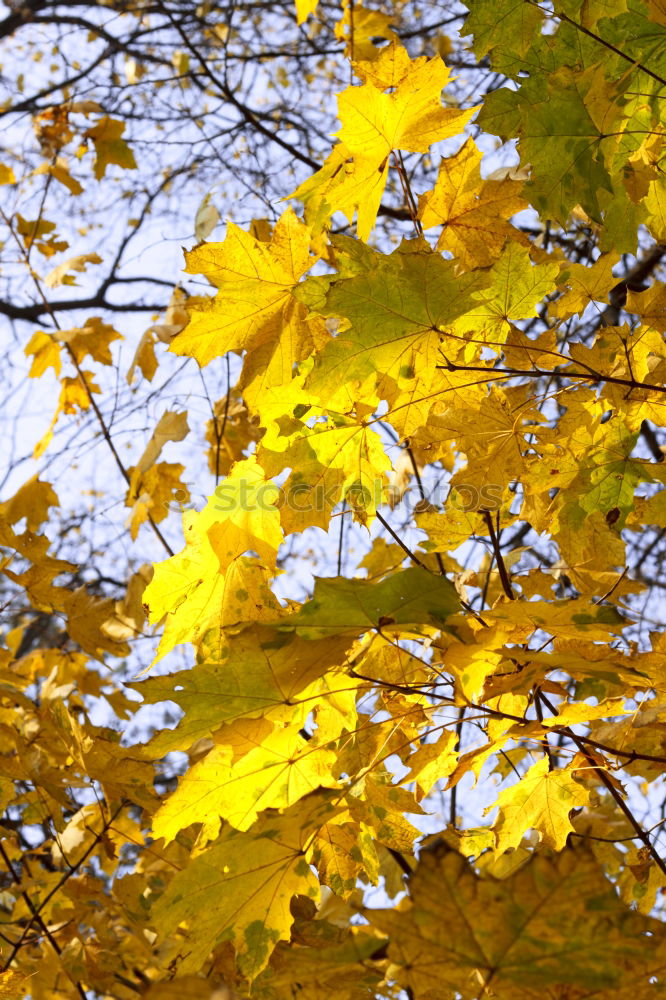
(394, 309)
(340, 606)
(260, 673)
(515, 288)
(557, 137)
(502, 27)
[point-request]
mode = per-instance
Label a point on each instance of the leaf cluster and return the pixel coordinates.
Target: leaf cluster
(437, 768)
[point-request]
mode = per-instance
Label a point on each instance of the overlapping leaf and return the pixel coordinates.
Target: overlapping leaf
(519, 935)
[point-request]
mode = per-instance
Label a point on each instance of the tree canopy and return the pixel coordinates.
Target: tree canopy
(332, 572)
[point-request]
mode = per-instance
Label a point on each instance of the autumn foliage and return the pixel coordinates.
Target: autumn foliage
(437, 771)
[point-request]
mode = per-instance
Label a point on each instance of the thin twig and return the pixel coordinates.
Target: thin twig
(616, 795)
(58, 886)
(35, 917)
(398, 539)
(542, 373)
(84, 382)
(453, 801)
(499, 558)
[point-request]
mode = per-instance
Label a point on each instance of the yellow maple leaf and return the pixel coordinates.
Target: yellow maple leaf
(650, 305)
(260, 673)
(493, 427)
(75, 393)
(329, 461)
(61, 275)
(171, 426)
(229, 433)
(93, 339)
(110, 148)
(176, 317)
(31, 501)
(519, 938)
(542, 800)
(433, 761)
(45, 351)
(254, 304)
(254, 766)
(13, 985)
(242, 515)
(383, 808)
(304, 8)
(515, 290)
(38, 578)
(129, 614)
(360, 28)
(656, 207)
(156, 491)
(240, 889)
(144, 358)
(194, 594)
(472, 212)
(389, 68)
(6, 174)
(86, 618)
(410, 118)
(60, 172)
(344, 851)
(586, 285)
(473, 664)
(347, 184)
